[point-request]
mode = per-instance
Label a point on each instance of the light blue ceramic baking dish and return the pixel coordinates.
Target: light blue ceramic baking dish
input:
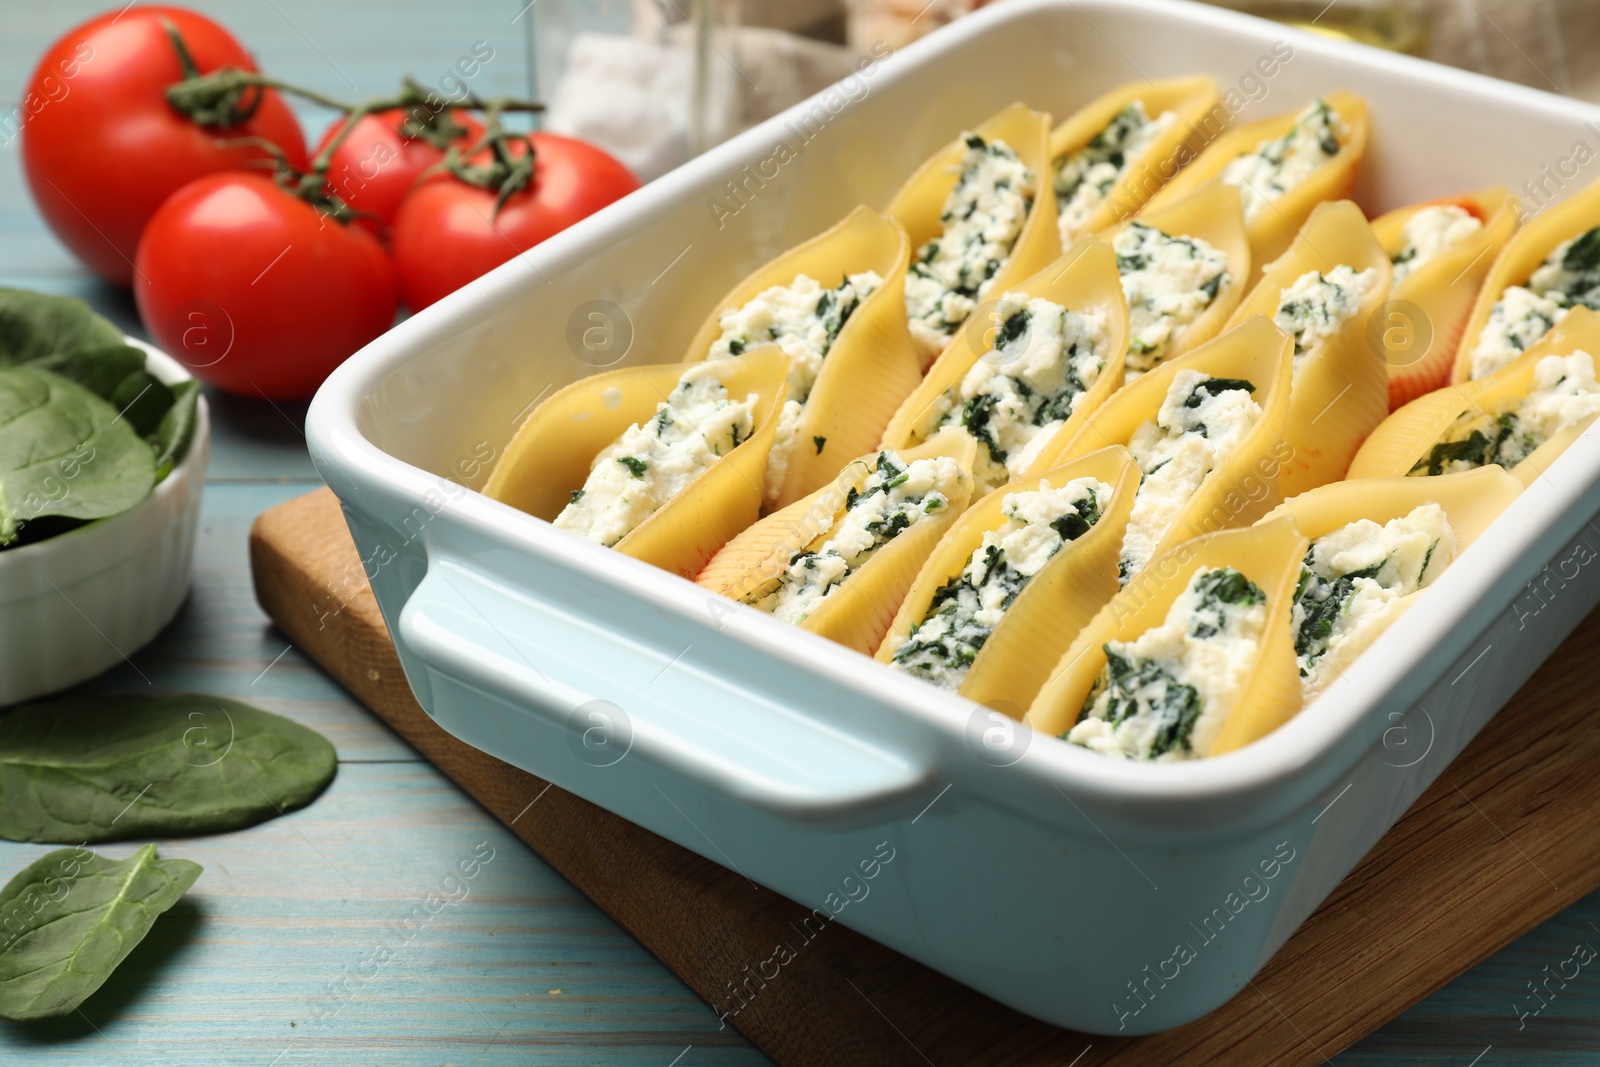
(1108, 897)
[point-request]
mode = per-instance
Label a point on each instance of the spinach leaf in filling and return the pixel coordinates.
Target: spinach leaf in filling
(1144, 688)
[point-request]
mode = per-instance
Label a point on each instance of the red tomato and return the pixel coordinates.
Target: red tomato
(376, 165)
(255, 290)
(448, 233)
(101, 146)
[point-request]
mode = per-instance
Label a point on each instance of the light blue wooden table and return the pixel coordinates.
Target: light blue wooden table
(524, 970)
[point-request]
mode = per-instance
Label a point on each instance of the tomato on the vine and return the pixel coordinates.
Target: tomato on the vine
(376, 164)
(258, 291)
(449, 232)
(101, 145)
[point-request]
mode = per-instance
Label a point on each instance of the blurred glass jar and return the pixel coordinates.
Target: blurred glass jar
(649, 81)
(1398, 25)
(899, 22)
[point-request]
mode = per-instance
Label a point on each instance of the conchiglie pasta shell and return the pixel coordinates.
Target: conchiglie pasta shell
(1275, 225)
(1269, 555)
(917, 205)
(856, 614)
(1085, 280)
(1471, 501)
(553, 449)
(1341, 389)
(873, 364)
(1191, 99)
(1410, 433)
(1442, 289)
(1524, 253)
(1058, 600)
(1244, 486)
(1211, 213)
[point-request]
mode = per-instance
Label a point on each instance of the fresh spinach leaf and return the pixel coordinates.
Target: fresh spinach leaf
(60, 334)
(176, 428)
(36, 326)
(104, 768)
(71, 917)
(64, 452)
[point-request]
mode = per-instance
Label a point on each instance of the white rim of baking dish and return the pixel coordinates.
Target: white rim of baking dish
(1302, 748)
(106, 536)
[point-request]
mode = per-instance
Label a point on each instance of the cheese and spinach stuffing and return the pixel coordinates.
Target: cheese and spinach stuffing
(1431, 233)
(1169, 282)
(1317, 306)
(1201, 420)
(1084, 177)
(895, 496)
(982, 218)
(1278, 164)
(1044, 360)
(1563, 394)
(1165, 695)
(654, 461)
(1356, 580)
(803, 318)
(965, 610)
(1569, 276)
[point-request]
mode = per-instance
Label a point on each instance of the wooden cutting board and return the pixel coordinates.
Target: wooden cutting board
(1508, 836)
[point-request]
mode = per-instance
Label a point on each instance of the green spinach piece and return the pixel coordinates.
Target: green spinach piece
(64, 453)
(1321, 601)
(1477, 449)
(173, 433)
(106, 768)
(1216, 387)
(62, 335)
(1143, 687)
(71, 917)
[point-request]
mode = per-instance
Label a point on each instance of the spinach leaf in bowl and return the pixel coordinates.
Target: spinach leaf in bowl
(65, 453)
(63, 337)
(72, 917)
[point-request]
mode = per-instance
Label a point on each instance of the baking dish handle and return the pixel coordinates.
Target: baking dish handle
(573, 698)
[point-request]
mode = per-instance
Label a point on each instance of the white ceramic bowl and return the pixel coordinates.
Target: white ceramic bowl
(75, 605)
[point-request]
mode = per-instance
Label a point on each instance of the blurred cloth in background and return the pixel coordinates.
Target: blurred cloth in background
(656, 81)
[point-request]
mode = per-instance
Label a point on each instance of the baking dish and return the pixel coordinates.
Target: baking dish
(78, 604)
(1103, 896)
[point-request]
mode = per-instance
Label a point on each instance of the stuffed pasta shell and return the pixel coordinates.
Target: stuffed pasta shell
(1028, 370)
(1193, 659)
(663, 463)
(839, 561)
(1015, 579)
(981, 216)
(1521, 417)
(836, 306)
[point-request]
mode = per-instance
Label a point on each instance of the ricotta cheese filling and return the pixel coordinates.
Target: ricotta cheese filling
(1563, 394)
(1084, 177)
(964, 612)
(895, 497)
(1165, 695)
(1201, 420)
(1569, 275)
(1431, 233)
(1317, 306)
(1045, 359)
(1278, 164)
(1169, 282)
(804, 319)
(1356, 580)
(981, 221)
(654, 461)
